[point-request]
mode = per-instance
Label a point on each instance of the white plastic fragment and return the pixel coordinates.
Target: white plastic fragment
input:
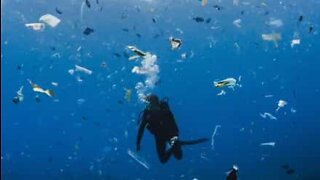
(222, 92)
(50, 19)
(54, 84)
(138, 159)
(82, 69)
(268, 144)
(270, 116)
(236, 2)
(36, 26)
(213, 135)
(275, 22)
(295, 42)
(271, 37)
(237, 23)
(175, 42)
(268, 96)
(281, 104)
(293, 110)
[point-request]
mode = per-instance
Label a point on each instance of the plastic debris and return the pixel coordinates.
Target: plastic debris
(88, 31)
(88, 3)
(236, 2)
(213, 135)
(203, 2)
(54, 84)
(137, 51)
(228, 82)
(281, 104)
(37, 88)
(175, 43)
(58, 11)
(270, 116)
(293, 110)
(138, 159)
(275, 23)
(198, 19)
(237, 23)
(295, 42)
(127, 94)
(274, 37)
(268, 144)
(19, 97)
(268, 96)
(50, 20)
(222, 92)
(82, 69)
(36, 26)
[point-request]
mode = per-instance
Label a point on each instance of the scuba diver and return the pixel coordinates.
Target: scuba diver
(159, 120)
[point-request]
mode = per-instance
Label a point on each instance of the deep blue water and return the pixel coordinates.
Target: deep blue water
(62, 137)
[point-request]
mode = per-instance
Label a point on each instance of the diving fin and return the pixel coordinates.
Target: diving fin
(192, 142)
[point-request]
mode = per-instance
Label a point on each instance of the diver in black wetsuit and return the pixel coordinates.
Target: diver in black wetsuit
(159, 120)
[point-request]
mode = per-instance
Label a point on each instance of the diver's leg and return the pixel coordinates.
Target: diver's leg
(161, 150)
(177, 151)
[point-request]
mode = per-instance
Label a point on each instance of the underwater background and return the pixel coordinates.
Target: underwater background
(88, 128)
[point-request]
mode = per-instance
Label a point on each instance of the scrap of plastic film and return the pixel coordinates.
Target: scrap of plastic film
(36, 26)
(138, 159)
(37, 88)
(268, 144)
(274, 37)
(203, 2)
(213, 135)
(237, 23)
(138, 53)
(228, 82)
(275, 22)
(222, 92)
(281, 104)
(82, 69)
(295, 42)
(175, 43)
(19, 96)
(49, 19)
(127, 94)
(270, 116)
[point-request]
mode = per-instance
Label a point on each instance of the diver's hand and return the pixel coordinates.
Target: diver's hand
(138, 147)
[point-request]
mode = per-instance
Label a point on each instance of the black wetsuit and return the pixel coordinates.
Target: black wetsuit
(159, 120)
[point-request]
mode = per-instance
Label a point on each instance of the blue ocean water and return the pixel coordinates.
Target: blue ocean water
(86, 129)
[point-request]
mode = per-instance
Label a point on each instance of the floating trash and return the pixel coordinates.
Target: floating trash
(19, 97)
(36, 26)
(228, 82)
(274, 37)
(198, 19)
(138, 159)
(275, 22)
(82, 69)
(127, 94)
(222, 92)
(137, 51)
(50, 20)
(88, 31)
(281, 104)
(268, 144)
(270, 116)
(203, 2)
(213, 135)
(175, 43)
(37, 88)
(237, 23)
(295, 42)
(54, 84)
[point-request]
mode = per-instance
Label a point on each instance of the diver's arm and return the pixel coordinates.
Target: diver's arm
(141, 130)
